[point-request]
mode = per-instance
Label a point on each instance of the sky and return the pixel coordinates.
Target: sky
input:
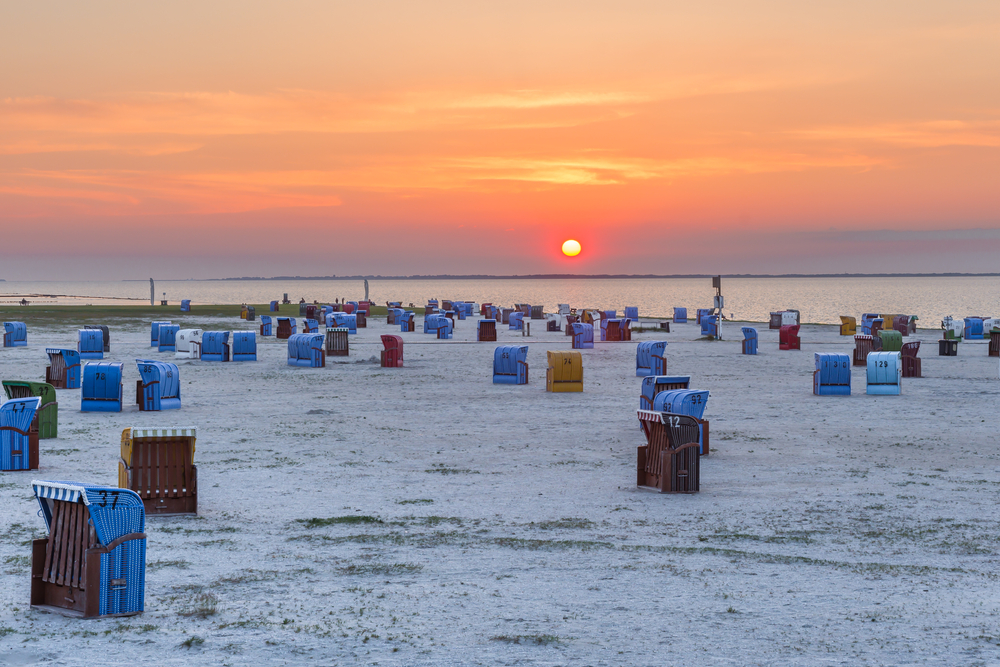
(203, 140)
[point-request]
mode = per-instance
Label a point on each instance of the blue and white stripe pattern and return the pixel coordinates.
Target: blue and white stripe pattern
(16, 414)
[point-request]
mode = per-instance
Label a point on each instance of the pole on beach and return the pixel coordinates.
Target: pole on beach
(719, 303)
(152, 293)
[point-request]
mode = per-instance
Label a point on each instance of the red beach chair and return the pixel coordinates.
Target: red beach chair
(788, 338)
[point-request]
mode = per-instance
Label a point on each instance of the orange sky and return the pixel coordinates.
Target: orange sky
(303, 138)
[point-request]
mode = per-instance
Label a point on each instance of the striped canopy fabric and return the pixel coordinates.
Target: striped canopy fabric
(146, 432)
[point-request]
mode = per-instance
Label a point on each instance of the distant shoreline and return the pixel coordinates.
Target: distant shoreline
(596, 276)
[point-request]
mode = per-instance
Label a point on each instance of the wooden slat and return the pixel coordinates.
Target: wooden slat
(63, 548)
(50, 547)
(80, 539)
(70, 543)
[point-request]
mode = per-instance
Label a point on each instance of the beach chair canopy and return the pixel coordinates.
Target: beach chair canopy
(15, 334)
(16, 416)
(47, 414)
(654, 384)
(690, 402)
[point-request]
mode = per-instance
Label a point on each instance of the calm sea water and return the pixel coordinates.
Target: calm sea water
(820, 300)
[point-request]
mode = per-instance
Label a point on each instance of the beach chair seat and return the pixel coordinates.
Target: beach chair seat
(668, 461)
(215, 346)
(244, 346)
(92, 563)
(158, 465)
(159, 387)
(516, 321)
(286, 328)
(105, 334)
(749, 340)
(911, 362)
(510, 364)
(885, 369)
(788, 338)
(306, 350)
(266, 325)
(848, 325)
(564, 372)
(18, 441)
(654, 384)
(392, 354)
(487, 331)
(46, 422)
(185, 305)
(407, 324)
(862, 348)
(154, 330)
(338, 342)
(892, 340)
(168, 338)
(583, 336)
(187, 344)
(832, 376)
(15, 334)
(63, 371)
(680, 315)
(651, 358)
(101, 387)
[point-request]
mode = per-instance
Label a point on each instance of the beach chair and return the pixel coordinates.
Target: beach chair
(446, 327)
(105, 334)
(583, 336)
(651, 358)
(505, 314)
(901, 323)
(947, 347)
(63, 371)
(447, 304)
(892, 340)
(185, 305)
(265, 325)
(788, 338)
(885, 369)
(347, 321)
(102, 387)
(274, 307)
(484, 309)
(510, 364)
(680, 315)
(215, 346)
(537, 312)
(654, 384)
(364, 307)
(306, 350)
(775, 320)
(390, 316)
(360, 320)
(690, 402)
(154, 328)
(310, 326)
(973, 328)
(407, 324)
(15, 334)
(954, 329)
(286, 328)
(564, 372)
(910, 360)
(337, 342)
(93, 561)
(570, 321)
(878, 324)
(251, 313)
(243, 312)
(749, 340)
(458, 307)
(244, 346)
(168, 338)
(18, 442)
(310, 313)
(159, 387)
(515, 321)
(994, 350)
(187, 344)
(351, 307)
(632, 312)
(863, 345)
(668, 461)
(889, 321)
(848, 325)
(553, 322)
(625, 330)
(611, 330)
(392, 354)
(46, 422)
(487, 331)
(158, 465)
(90, 344)
(700, 313)
(832, 376)
(710, 326)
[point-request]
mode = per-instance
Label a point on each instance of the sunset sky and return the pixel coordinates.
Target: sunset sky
(248, 138)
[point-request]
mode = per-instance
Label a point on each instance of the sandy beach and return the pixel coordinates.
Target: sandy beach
(424, 516)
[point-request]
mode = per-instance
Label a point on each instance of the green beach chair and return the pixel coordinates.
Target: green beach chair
(892, 341)
(48, 410)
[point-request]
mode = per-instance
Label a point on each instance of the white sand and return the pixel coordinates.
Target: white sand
(828, 530)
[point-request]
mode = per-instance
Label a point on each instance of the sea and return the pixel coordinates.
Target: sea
(820, 300)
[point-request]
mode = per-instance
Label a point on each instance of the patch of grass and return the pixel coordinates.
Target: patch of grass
(536, 640)
(4, 631)
(382, 569)
(350, 519)
(203, 606)
(192, 641)
(445, 470)
(61, 452)
(417, 501)
(159, 564)
(22, 561)
(563, 523)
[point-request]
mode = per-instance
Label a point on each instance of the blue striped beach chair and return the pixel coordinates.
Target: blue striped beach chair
(90, 344)
(18, 444)
(102, 387)
(93, 561)
(63, 371)
(160, 386)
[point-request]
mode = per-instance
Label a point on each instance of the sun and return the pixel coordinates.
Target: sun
(571, 248)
